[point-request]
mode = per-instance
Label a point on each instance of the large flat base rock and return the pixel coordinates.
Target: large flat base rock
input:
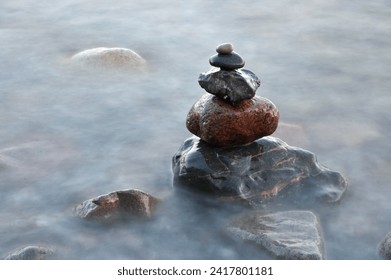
(263, 171)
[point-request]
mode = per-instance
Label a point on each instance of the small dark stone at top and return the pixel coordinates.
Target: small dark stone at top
(225, 48)
(226, 58)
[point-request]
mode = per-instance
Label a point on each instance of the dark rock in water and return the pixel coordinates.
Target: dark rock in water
(263, 171)
(223, 125)
(118, 205)
(232, 86)
(229, 61)
(31, 253)
(385, 247)
(292, 235)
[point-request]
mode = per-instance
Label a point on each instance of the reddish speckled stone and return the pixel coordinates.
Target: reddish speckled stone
(221, 124)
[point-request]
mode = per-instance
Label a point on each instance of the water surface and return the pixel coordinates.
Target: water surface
(67, 136)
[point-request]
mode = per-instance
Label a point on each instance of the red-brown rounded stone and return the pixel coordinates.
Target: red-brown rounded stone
(224, 125)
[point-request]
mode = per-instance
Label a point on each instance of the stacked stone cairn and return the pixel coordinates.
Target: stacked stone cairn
(230, 114)
(232, 155)
(232, 158)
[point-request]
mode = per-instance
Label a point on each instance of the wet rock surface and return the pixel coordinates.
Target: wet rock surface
(118, 205)
(31, 253)
(231, 115)
(385, 247)
(264, 171)
(287, 234)
(221, 124)
(231, 86)
(226, 58)
(227, 61)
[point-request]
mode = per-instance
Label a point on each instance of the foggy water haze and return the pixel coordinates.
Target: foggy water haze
(67, 135)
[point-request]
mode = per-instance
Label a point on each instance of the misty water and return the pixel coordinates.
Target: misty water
(67, 136)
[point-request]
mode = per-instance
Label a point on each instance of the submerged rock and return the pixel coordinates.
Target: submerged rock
(118, 205)
(109, 58)
(293, 235)
(262, 171)
(231, 86)
(31, 253)
(385, 247)
(221, 124)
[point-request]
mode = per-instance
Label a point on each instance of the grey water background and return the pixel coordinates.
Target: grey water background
(67, 136)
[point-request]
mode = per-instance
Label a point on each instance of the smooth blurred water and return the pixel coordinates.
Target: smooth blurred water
(67, 136)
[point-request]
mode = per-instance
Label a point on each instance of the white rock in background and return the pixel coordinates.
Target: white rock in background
(109, 58)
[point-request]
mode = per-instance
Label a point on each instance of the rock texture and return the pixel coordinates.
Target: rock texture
(230, 61)
(260, 172)
(31, 253)
(293, 235)
(221, 124)
(226, 58)
(385, 247)
(232, 115)
(233, 158)
(231, 86)
(118, 205)
(109, 58)
(225, 48)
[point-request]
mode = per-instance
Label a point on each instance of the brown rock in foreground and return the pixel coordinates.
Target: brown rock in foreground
(118, 205)
(221, 124)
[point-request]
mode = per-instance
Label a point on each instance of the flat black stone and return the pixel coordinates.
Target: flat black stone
(230, 61)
